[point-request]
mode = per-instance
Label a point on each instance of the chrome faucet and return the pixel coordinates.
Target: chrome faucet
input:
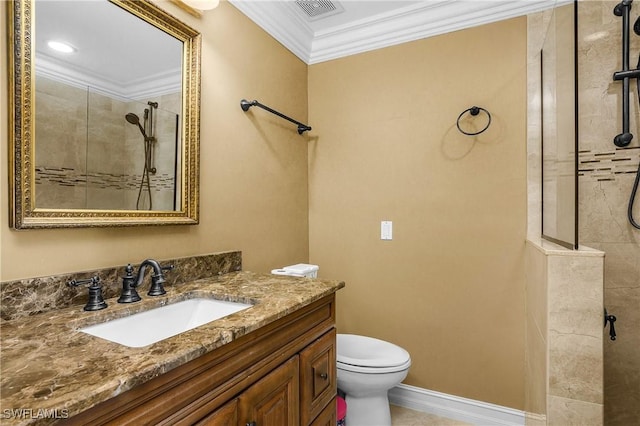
(130, 283)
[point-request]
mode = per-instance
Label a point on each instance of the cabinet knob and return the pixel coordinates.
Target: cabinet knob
(324, 376)
(252, 424)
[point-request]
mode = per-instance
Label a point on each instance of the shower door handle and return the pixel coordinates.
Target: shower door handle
(611, 319)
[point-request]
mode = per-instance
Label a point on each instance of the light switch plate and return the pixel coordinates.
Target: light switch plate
(386, 230)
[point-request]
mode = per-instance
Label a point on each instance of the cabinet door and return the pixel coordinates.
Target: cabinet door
(317, 376)
(274, 399)
(328, 416)
(225, 416)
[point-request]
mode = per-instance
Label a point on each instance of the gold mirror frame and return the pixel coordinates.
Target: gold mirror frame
(23, 213)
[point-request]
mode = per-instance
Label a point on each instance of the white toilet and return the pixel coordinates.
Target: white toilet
(367, 369)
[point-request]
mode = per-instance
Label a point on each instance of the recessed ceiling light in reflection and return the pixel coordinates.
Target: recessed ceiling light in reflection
(60, 46)
(202, 4)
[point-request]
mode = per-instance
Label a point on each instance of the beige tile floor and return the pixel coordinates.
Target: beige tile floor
(401, 416)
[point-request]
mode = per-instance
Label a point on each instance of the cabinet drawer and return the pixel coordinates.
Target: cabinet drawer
(317, 376)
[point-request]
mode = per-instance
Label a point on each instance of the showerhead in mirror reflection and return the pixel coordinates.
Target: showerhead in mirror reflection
(145, 194)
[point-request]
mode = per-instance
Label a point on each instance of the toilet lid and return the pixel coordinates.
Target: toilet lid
(366, 351)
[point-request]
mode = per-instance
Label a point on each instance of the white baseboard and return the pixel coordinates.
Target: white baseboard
(455, 407)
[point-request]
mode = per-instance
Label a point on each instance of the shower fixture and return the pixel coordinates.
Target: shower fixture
(623, 9)
(611, 319)
(148, 132)
(622, 140)
(134, 119)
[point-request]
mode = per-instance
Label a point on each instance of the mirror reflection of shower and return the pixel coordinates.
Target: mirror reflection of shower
(145, 201)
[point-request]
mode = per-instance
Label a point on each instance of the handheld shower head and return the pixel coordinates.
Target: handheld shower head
(134, 119)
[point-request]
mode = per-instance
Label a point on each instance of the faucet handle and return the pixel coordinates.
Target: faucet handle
(96, 301)
(129, 293)
(157, 280)
(95, 280)
(167, 268)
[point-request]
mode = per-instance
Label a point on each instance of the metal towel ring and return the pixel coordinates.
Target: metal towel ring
(474, 110)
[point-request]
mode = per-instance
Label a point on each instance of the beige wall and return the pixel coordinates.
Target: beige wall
(253, 167)
(450, 286)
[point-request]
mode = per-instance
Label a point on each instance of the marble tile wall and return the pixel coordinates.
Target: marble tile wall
(564, 368)
(76, 165)
(564, 295)
(575, 358)
(30, 296)
(536, 332)
(68, 149)
(606, 175)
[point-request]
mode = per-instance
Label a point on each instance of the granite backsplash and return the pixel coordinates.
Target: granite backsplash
(31, 296)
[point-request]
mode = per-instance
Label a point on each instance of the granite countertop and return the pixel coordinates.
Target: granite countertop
(49, 369)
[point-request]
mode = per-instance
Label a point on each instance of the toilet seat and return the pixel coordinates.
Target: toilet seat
(369, 355)
(373, 370)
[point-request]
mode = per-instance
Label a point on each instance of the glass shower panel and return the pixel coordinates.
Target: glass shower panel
(559, 134)
(99, 151)
(60, 144)
(131, 154)
(166, 159)
(106, 181)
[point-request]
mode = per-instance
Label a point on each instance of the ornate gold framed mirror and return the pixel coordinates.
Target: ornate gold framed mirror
(106, 131)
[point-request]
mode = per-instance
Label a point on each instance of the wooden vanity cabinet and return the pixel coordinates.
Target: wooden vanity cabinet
(272, 401)
(283, 374)
(328, 416)
(225, 416)
(318, 377)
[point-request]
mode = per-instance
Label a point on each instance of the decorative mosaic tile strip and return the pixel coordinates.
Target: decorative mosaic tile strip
(606, 166)
(65, 176)
(31, 296)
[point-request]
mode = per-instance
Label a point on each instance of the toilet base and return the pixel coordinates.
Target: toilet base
(371, 410)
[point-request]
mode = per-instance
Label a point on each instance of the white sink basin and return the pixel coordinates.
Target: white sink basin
(157, 324)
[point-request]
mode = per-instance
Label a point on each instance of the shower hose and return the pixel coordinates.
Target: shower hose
(633, 198)
(634, 190)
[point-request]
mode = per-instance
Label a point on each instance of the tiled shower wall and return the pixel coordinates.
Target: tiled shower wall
(606, 175)
(79, 166)
(564, 289)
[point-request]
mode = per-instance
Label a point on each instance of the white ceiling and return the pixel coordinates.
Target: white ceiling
(116, 52)
(362, 25)
(136, 70)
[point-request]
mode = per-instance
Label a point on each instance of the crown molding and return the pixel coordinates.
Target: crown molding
(150, 86)
(281, 22)
(417, 21)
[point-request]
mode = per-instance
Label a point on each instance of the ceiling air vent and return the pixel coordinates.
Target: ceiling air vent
(316, 9)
